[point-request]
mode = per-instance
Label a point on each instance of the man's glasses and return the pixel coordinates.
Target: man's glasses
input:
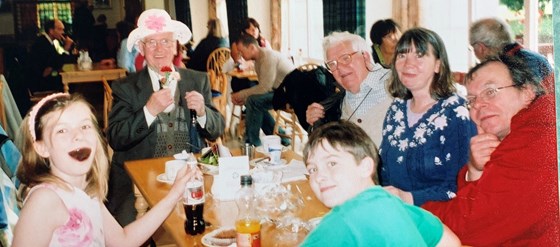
(485, 95)
(152, 43)
(344, 59)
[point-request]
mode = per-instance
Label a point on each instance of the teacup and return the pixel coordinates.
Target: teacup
(172, 167)
(268, 141)
(275, 153)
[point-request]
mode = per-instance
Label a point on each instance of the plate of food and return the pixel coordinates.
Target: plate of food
(208, 161)
(220, 237)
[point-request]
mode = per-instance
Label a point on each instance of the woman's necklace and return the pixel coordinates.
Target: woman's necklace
(357, 107)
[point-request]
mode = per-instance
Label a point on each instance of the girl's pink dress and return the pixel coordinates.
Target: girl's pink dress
(84, 226)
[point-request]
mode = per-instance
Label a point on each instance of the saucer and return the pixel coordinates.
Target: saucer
(209, 240)
(260, 149)
(282, 163)
(162, 178)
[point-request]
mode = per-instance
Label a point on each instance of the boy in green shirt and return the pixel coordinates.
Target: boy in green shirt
(342, 162)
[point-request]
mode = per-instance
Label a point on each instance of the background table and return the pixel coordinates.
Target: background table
(144, 173)
(99, 73)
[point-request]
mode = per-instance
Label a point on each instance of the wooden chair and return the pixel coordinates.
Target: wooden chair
(218, 78)
(287, 118)
(3, 119)
(107, 102)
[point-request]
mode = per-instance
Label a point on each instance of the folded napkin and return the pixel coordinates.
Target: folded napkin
(293, 171)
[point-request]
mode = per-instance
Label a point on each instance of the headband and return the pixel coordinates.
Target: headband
(36, 108)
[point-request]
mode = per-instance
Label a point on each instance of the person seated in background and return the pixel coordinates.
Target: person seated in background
(365, 100)
(271, 67)
(491, 37)
(250, 27)
(427, 128)
(48, 53)
(384, 35)
(125, 58)
(100, 48)
(213, 40)
(508, 193)
(342, 160)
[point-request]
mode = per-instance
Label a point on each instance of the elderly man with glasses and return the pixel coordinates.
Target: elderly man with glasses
(153, 109)
(508, 193)
(366, 100)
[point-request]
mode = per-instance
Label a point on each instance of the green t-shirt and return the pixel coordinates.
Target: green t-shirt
(376, 218)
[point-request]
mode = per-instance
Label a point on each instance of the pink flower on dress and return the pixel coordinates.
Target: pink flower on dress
(78, 230)
(155, 22)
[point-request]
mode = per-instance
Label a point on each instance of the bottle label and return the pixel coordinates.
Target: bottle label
(194, 193)
(249, 239)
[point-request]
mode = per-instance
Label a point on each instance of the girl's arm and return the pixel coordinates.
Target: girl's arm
(137, 232)
(41, 214)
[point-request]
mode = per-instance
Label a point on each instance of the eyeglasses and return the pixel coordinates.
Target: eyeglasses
(485, 95)
(152, 43)
(344, 59)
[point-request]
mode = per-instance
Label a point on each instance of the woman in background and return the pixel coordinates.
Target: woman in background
(384, 35)
(214, 39)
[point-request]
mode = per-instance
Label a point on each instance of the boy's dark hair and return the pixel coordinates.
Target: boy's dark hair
(346, 136)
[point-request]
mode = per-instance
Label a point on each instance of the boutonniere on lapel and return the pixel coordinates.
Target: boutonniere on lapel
(169, 77)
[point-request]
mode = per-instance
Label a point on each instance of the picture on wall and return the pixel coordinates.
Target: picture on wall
(102, 4)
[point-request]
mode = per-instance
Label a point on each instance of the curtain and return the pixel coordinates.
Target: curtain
(344, 15)
(236, 12)
(183, 12)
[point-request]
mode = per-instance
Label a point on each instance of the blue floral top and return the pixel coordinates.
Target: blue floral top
(425, 159)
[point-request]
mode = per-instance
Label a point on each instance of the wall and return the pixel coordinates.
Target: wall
(7, 26)
(199, 18)
(377, 10)
(260, 10)
(450, 19)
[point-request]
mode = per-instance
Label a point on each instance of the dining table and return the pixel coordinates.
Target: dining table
(244, 74)
(149, 191)
(101, 72)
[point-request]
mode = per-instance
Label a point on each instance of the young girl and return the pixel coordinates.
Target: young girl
(64, 171)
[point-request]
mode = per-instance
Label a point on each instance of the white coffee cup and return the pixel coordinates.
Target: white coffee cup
(172, 167)
(270, 140)
(275, 153)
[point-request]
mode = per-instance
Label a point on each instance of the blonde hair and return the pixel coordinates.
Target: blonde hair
(34, 169)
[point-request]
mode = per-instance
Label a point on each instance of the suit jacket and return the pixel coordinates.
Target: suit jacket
(43, 54)
(128, 133)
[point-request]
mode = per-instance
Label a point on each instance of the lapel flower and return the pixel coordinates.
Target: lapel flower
(169, 76)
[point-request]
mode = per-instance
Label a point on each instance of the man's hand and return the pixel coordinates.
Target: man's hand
(482, 146)
(237, 99)
(68, 42)
(47, 71)
(159, 100)
(314, 112)
(195, 101)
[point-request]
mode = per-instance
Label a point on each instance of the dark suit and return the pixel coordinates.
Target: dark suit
(132, 139)
(42, 55)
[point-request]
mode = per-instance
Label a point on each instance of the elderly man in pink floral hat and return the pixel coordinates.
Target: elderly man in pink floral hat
(154, 108)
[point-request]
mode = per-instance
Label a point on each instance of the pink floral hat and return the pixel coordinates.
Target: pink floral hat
(154, 21)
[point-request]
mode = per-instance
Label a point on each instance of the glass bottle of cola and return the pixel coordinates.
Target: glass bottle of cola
(193, 203)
